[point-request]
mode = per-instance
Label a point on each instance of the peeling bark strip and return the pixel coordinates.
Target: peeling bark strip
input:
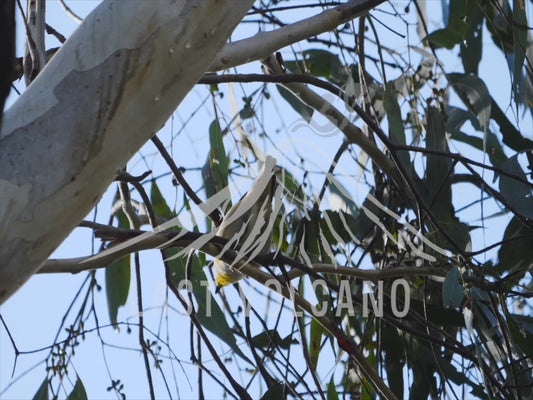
(35, 51)
(112, 85)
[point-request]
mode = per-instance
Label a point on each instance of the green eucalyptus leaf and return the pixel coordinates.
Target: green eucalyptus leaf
(471, 46)
(42, 392)
(452, 289)
(510, 135)
(497, 22)
(275, 392)
(518, 194)
(247, 111)
(323, 63)
(267, 339)
(305, 111)
(446, 38)
(118, 278)
(437, 179)
(287, 342)
(337, 188)
(159, 203)
(218, 160)
(474, 93)
(315, 341)
(456, 30)
(394, 360)
(519, 44)
(396, 130)
(209, 181)
(78, 393)
(292, 191)
(456, 118)
(521, 329)
(332, 390)
(516, 251)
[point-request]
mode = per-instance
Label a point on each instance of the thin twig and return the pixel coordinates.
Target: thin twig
(343, 147)
(51, 31)
(238, 388)
(17, 352)
(67, 9)
(215, 215)
(142, 340)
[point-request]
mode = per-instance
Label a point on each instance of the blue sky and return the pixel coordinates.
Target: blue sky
(35, 311)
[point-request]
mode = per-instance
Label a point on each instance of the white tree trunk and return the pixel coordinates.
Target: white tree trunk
(112, 85)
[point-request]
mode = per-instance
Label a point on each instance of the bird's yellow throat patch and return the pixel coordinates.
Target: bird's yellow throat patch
(222, 278)
(225, 280)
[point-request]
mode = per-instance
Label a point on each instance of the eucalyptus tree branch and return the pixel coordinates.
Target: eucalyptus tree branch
(380, 274)
(370, 274)
(250, 268)
(127, 206)
(67, 9)
(462, 159)
(352, 133)
(52, 31)
(148, 241)
(35, 52)
(144, 240)
(263, 44)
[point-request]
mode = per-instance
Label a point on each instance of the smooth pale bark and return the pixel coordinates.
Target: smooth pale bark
(112, 85)
(263, 44)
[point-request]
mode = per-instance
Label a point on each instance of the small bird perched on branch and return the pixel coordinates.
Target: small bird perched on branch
(248, 225)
